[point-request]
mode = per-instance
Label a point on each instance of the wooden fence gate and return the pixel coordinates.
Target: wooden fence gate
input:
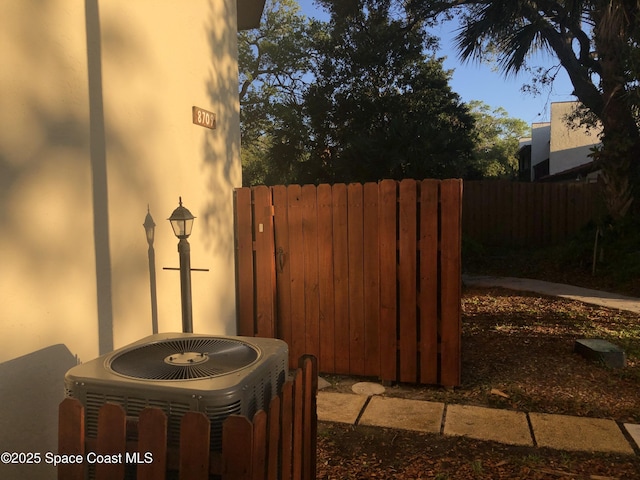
(364, 277)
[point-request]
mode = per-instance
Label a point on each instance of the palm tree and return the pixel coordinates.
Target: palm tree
(593, 41)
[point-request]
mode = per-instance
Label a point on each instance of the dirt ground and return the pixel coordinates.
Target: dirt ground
(520, 346)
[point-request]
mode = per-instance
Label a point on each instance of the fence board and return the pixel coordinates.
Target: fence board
(194, 447)
(152, 437)
(309, 415)
(71, 438)
(283, 262)
(296, 442)
(371, 280)
(355, 238)
(296, 259)
(273, 451)
(259, 459)
(244, 262)
(341, 278)
(287, 431)
(428, 293)
(112, 421)
(451, 283)
(237, 443)
(325, 279)
(265, 288)
(387, 214)
(310, 247)
(407, 280)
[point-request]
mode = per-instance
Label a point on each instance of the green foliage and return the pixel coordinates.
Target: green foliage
(381, 108)
(356, 99)
(496, 141)
(274, 62)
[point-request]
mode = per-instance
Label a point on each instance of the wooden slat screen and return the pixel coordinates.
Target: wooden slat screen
(366, 277)
(277, 444)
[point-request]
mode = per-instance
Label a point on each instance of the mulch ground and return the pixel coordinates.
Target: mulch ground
(520, 347)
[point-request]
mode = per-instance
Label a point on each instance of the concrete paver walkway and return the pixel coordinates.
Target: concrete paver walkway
(561, 432)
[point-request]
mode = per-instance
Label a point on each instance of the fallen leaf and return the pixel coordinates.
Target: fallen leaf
(500, 393)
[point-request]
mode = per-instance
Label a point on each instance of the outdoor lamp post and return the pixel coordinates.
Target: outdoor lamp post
(182, 222)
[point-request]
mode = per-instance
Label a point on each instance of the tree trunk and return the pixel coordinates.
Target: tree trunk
(618, 157)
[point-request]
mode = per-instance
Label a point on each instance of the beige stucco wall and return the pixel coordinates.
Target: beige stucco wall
(570, 144)
(95, 125)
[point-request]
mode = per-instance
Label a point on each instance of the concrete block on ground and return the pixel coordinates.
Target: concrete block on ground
(339, 407)
(633, 430)
(504, 426)
(601, 350)
(564, 432)
(404, 414)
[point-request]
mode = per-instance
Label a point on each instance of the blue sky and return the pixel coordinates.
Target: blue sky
(473, 81)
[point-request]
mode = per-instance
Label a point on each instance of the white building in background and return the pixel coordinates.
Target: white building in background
(560, 151)
(96, 127)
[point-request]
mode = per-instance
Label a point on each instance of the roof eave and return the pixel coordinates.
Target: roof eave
(249, 13)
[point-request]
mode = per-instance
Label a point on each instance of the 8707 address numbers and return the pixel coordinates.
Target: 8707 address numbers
(203, 117)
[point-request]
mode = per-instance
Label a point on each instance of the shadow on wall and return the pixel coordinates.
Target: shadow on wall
(222, 166)
(98, 152)
(32, 388)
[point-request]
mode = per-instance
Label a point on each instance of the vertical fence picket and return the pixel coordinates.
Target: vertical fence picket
(282, 262)
(237, 445)
(112, 433)
(244, 262)
(407, 234)
(538, 216)
(309, 366)
(265, 268)
(296, 247)
(325, 279)
(428, 288)
(71, 438)
(286, 457)
(341, 278)
(387, 218)
(310, 249)
(275, 441)
(259, 458)
(296, 442)
(450, 240)
(371, 279)
(356, 278)
(547, 202)
(469, 215)
(152, 438)
(194, 446)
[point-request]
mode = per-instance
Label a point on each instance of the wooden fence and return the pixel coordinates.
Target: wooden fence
(278, 444)
(502, 213)
(364, 277)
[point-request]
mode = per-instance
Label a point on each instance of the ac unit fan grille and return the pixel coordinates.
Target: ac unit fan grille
(184, 359)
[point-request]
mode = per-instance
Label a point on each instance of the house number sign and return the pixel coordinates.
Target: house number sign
(204, 118)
